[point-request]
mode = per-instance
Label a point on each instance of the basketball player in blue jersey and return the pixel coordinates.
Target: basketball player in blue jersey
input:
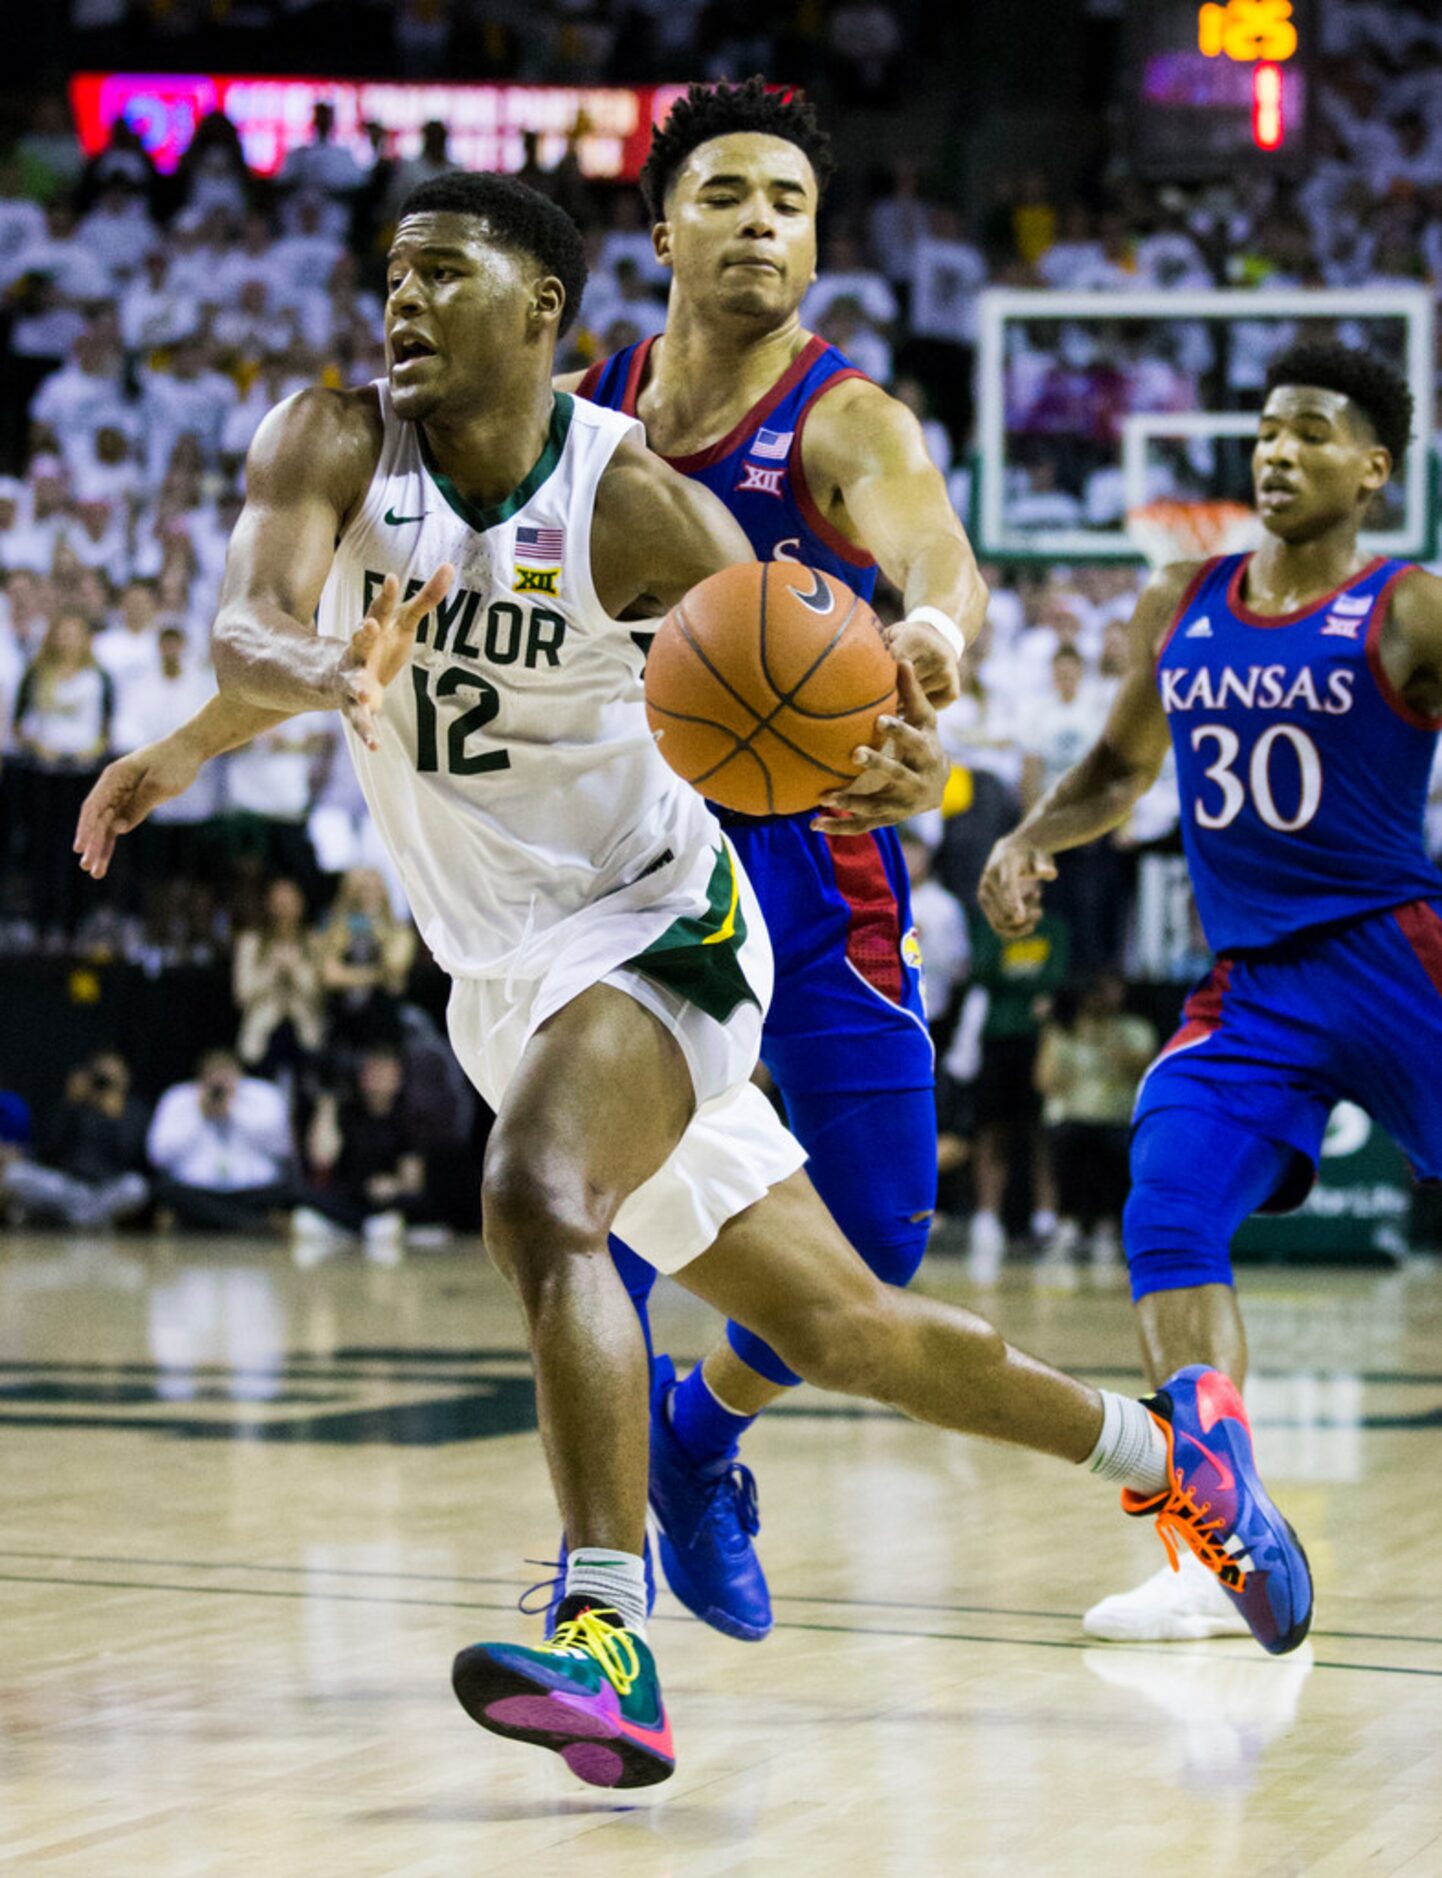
(1301, 689)
(819, 465)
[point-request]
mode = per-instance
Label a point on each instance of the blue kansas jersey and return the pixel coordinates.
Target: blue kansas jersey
(1302, 773)
(756, 469)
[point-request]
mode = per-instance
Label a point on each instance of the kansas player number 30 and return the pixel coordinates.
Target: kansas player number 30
(1222, 771)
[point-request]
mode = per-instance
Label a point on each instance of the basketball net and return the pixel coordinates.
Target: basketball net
(1168, 530)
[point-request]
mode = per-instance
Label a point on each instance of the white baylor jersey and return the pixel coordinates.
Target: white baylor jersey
(516, 784)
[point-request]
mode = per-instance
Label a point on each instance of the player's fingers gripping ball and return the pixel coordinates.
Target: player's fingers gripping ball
(763, 681)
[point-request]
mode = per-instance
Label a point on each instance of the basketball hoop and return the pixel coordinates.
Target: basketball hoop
(1168, 530)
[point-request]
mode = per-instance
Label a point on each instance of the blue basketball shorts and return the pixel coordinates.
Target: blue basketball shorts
(848, 1010)
(1229, 1118)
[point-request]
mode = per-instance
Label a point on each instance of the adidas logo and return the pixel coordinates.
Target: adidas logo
(1200, 629)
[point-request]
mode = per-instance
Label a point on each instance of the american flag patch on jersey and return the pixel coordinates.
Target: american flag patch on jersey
(772, 445)
(540, 544)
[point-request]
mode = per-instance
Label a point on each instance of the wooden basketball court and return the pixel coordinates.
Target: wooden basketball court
(249, 1515)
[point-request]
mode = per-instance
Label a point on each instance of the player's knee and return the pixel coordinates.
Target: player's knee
(838, 1344)
(534, 1211)
(1169, 1245)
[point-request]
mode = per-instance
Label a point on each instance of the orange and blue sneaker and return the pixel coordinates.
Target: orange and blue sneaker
(708, 1519)
(590, 1694)
(1217, 1506)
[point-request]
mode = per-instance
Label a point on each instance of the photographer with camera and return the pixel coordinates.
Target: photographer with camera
(223, 1149)
(86, 1171)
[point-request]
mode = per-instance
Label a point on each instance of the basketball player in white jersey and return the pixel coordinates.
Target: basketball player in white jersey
(611, 971)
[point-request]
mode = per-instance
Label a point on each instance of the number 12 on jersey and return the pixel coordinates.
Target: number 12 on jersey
(459, 760)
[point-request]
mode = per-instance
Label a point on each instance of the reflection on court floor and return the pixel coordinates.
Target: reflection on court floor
(251, 1513)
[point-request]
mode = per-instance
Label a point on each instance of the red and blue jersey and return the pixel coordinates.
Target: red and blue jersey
(1302, 772)
(756, 469)
(847, 1013)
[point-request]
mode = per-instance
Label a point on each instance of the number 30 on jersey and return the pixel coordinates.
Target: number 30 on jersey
(1227, 746)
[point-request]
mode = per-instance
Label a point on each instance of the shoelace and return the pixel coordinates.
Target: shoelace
(589, 1634)
(737, 1488)
(1179, 1516)
(552, 1587)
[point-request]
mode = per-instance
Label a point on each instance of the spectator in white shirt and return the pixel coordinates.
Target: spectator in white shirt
(898, 222)
(73, 403)
(154, 310)
(849, 330)
(223, 1149)
(947, 275)
(941, 929)
(189, 400)
(323, 166)
(119, 233)
(105, 469)
(97, 538)
(845, 275)
(62, 729)
(31, 541)
(59, 253)
(270, 785)
(128, 647)
(306, 258)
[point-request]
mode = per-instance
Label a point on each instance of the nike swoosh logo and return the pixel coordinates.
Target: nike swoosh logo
(658, 1739)
(1225, 1476)
(401, 521)
(820, 599)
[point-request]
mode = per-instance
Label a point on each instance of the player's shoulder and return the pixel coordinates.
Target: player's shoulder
(318, 437)
(1416, 597)
(853, 420)
(1160, 602)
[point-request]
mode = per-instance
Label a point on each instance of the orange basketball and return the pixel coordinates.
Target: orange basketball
(762, 682)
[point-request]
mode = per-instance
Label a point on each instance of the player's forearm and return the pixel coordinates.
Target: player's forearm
(1095, 796)
(265, 658)
(942, 575)
(224, 723)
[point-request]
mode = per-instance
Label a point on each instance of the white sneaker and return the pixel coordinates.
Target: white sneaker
(1170, 1607)
(385, 1238)
(313, 1237)
(1056, 1269)
(986, 1249)
(1106, 1257)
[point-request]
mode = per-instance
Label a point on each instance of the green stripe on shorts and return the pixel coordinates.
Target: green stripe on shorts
(699, 956)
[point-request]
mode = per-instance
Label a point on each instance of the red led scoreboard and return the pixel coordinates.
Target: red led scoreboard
(487, 123)
(1219, 86)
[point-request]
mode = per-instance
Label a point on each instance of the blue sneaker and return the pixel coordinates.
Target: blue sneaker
(1217, 1506)
(708, 1519)
(555, 1588)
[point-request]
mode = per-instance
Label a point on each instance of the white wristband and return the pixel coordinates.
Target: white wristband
(934, 617)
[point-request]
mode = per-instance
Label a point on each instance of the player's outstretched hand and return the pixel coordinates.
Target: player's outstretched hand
(1010, 891)
(124, 794)
(380, 649)
(905, 776)
(933, 660)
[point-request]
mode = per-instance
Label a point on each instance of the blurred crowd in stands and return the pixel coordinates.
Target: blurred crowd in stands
(146, 325)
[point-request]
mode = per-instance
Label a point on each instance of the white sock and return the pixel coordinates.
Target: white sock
(1130, 1447)
(613, 1581)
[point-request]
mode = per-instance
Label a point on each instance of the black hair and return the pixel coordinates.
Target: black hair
(709, 111)
(1369, 381)
(517, 217)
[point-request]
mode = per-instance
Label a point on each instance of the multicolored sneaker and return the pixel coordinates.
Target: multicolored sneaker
(591, 1695)
(554, 1588)
(708, 1518)
(1217, 1506)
